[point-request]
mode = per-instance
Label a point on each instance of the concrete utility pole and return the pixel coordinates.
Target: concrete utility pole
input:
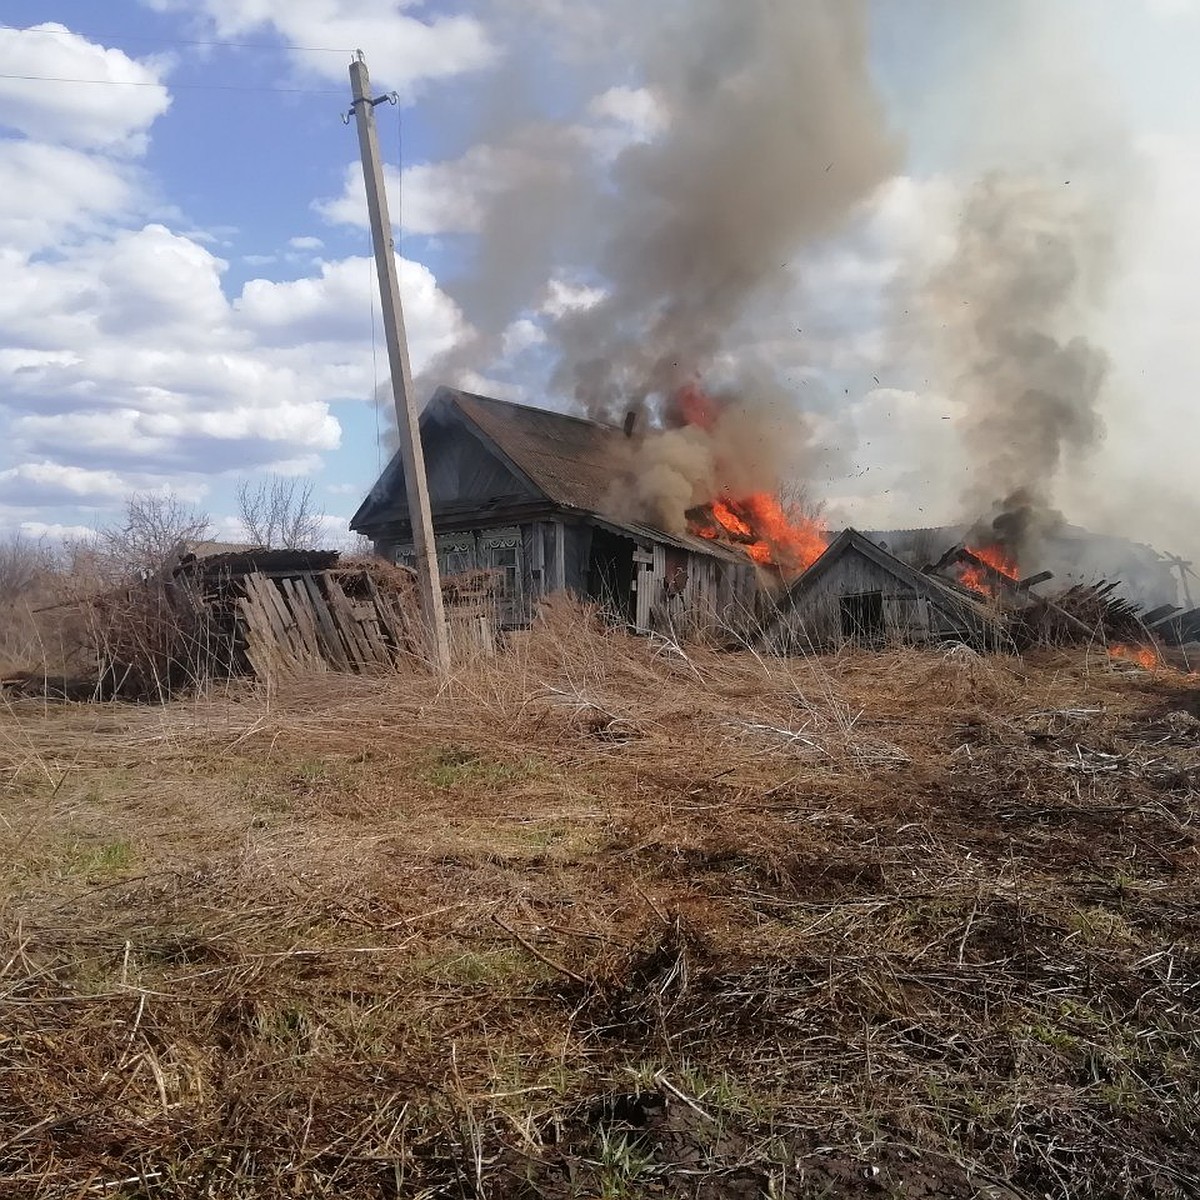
(411, 453)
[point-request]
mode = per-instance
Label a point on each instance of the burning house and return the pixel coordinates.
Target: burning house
(530, 495)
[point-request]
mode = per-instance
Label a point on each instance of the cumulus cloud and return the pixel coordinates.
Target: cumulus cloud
(638, 109)
(127, 356)
(452, 196)
(62, 192)
(51, 483)
(54, 531)
(76, 114)
(406, 50)
(336, 307)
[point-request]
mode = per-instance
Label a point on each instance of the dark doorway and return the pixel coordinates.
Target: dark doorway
(610, 574)
(862, 616)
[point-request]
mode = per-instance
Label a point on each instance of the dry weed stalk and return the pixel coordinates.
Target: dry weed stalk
(381, 938)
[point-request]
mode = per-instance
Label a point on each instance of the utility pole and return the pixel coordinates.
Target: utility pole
(1184, 567)
(411, 454)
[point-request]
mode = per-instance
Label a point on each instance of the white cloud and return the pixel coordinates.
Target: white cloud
(404, 50)
(336, 307)
(637, 109)
(51, 483)
(54, 531)
(520, 336)
(125, 361)
(305, 243)
(563, 297)
(429, 198)
(1170, 9)
(61, 192)
(77, 114)
(454, 196)
(123, 434)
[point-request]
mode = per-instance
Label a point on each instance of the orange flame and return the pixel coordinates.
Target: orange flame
(1144, 656)
(979, 580)
(695, 406)
(759, 524)
(756, 522)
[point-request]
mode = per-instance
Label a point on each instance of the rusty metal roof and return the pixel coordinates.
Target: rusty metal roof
(243, 562)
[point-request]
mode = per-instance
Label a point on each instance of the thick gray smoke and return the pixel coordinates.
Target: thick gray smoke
(774, 133)
(1033, 257)
(770, 134)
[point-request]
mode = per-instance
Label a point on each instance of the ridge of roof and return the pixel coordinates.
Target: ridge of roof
(506, 405)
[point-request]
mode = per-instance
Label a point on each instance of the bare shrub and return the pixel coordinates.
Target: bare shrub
(149, 536)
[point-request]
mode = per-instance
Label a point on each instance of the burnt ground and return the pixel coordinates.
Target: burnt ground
(609, 919)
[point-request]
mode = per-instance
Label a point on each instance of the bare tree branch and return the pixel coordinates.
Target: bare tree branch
(150, 535)
(279, 512)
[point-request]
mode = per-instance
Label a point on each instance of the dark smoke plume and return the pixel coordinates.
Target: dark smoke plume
(1032, 260)
(774, 133)
(771, 134)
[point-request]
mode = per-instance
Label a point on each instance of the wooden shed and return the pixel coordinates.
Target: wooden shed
(857, 591)
(531, 494)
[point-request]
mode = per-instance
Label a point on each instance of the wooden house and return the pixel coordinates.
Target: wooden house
(531, 494)
(858, 592)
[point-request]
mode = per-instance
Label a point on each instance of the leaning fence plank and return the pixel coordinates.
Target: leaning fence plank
(335, 644)
(268, 620)
(292, 643)
(302, 608)
(387, 619)
(340, 606)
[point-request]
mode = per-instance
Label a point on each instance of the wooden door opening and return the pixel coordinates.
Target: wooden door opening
(610, 574)
(862, 617)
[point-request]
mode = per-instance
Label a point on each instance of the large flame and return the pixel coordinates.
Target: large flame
(978, 579)
(757, 522)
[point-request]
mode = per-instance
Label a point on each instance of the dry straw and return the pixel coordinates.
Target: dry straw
(606, 916)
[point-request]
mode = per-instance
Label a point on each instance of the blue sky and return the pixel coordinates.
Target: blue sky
(190, 296)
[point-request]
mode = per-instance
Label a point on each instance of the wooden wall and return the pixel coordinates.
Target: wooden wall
(674, 589)
(813, 618)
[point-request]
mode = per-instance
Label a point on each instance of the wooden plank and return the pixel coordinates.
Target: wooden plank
(282, 621)
(368, 628)
(339, 609)
(275, 643)
(251, 641)
(335, 645)
(297, 598)
(291, 641)
(392, 627)
(262, 648)
(560, 556)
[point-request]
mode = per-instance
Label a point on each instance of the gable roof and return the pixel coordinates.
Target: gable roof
(570, 460)
(950, 600)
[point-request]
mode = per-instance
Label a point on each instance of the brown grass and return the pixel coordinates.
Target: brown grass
(608, 917)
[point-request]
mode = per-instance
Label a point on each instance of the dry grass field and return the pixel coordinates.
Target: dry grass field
(609, 918)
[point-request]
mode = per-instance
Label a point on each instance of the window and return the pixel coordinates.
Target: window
(676, 571)
(456, 553)
(500, 550)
